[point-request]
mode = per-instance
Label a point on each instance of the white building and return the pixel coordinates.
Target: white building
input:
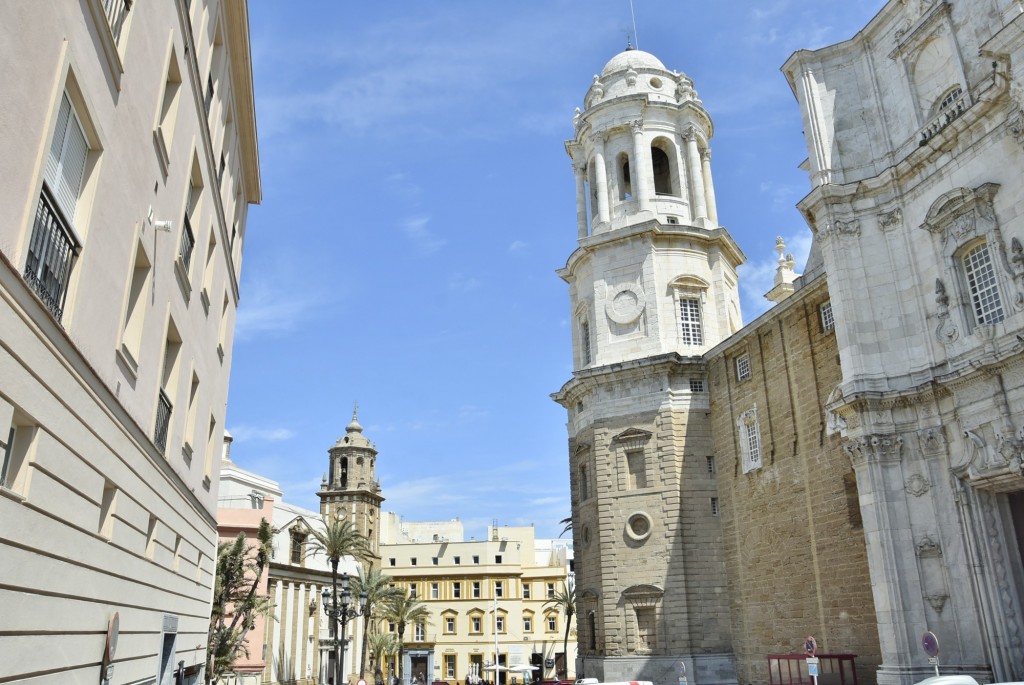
(129, 163)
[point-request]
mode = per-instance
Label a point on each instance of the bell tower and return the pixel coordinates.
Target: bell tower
(350, 489)
(652, 287)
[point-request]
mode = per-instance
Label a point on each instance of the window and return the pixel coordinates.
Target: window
(168, 386)
(499, 624)
(433, 561)
(188, 235)
(412, 562)
(476, 588)
(827, 321)
(116, 12)
(714, 506)
(166, 662)
(135, 309)
(526, 591)
(636, 470)
(551, 590)
(475, 624)
(18, 449)
(168, 112)
(211, 450)
(456, 560)
(585, 342)
(457, 590)
(476, 559)
(208, 98)
(527, 624)
(190, 418)
(419, 632)
(646, 635)
(981, 282)
(750, 439)
(391, 561)
(107, 508)
(711, 465)
(552, 620)
(950, 97)
(449, 666)
(151, 538)
(412, 591)
(662, 168)
(391, 627)
(624, 179)
(499, 588)
(53, 246)
(743, 367)
(690, 330)
(497, 558)
(696, 385)
(298, 542)
(592, 629)
(584, 483)
(449, 624)
(435, 590)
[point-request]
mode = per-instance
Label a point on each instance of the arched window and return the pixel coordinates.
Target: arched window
(625, 182)
(661, 164)
(986, 303)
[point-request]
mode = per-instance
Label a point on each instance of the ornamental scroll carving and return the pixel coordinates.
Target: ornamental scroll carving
(916, 485)
(889, 220)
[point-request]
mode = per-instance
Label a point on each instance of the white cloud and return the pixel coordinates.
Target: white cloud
(246, 433)
(425, 240)
(517, 246)
(266, 309)
(462, 284)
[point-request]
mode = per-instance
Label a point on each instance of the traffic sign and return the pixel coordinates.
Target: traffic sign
(810, 645)
(930, 643)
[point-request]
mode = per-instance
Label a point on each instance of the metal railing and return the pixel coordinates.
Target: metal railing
(117, 13)
(188, 242)
(51, 253)
(163, 420)
(946, 116)
(791, 669)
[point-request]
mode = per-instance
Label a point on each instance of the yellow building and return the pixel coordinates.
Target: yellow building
(485, 597)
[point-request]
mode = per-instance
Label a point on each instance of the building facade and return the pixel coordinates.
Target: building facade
(849, 464)
(130, 161)
(488, 601)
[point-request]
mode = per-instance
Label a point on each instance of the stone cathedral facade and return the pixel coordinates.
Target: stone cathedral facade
(849, 464)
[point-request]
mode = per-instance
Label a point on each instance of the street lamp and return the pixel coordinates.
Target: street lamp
(340, 613)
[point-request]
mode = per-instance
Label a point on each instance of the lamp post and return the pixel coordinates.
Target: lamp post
(340, 612)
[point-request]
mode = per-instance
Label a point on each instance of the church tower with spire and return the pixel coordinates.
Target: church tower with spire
(652, 287)
(350, 489)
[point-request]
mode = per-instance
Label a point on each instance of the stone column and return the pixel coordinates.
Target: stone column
(601, 174)
(693, 170)
(709, 185)
(642, 164)
(582, 220)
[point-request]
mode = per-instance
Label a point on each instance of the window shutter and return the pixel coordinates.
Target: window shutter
(65, 165)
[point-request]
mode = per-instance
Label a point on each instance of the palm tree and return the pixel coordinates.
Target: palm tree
(565, 601)
(338, 539)
(381, 646)
(379, 591)
(402, 610)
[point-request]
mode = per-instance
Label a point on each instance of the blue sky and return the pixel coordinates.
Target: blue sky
(417, 199)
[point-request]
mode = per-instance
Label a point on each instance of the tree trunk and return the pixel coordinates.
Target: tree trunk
(565, 645)
(401, 652)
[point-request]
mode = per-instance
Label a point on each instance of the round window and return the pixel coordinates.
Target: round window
(638, 526)
(655, 82)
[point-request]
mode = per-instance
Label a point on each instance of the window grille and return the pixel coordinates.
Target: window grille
(711, 466)
(696, 385)
(691, 332)
(753, 438)
(117, 13)
(188, 242)
(714, 506)
(585, 341)
(163, 420)
(828, 322)
(981, 280)
(51, 254)
(950, 98)
(743, 368)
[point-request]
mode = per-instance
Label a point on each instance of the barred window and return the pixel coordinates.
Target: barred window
(981, 281)
(827, 320)
(696, 385)
(743, 367)
(585, 342)
(691, 332)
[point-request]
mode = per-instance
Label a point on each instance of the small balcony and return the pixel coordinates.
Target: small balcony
(951, 109)
(163, 421)
(51, 253)
(188, 242)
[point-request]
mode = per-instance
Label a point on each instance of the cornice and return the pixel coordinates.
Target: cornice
(589, 379)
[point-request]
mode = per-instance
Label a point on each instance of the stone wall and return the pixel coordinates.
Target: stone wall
(794, 541)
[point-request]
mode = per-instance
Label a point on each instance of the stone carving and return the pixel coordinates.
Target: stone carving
(1016, 125)
(963, 226)
(888, 220)
(631, 77)
(705, 154)
(577, 119)
(928, 548)
(597, 88)
(637, 126)
(874, 449)
(932, 441)
(946, 332)
(690, 133)
(1001, 575)
(937, 601)
(917, 485)
(851, 228)
(626, 305)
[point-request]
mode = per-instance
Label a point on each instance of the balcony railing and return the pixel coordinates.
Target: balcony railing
(163, 420)
(946, 116)
(51, 253)
(117, 13)
(188, 241)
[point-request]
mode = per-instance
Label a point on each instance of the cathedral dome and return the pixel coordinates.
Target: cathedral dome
(354, 435)
(637, 59)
